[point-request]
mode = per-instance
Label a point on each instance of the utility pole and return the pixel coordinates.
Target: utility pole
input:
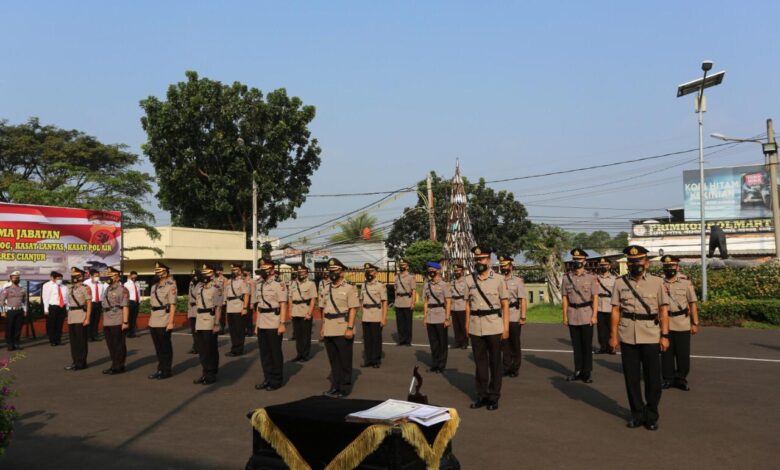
(770, 153)
(254, 223)
(431, 219)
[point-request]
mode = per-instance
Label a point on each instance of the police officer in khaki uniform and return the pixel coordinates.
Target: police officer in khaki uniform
(220, 281)
(271, 315)
(606, 281)
(249, 318)
(79, 300)
(303, 300)
(13, 304)
(580, 295)
(511, 348)
(192, 308)
(237, 306)
(405, 300)
(209, 310)
(116, 315)
(437, 305)
(487, 323)
(459, 287)
(340, 302)
(640, 323)
(163, 310)
(373, 306)
(683, 322)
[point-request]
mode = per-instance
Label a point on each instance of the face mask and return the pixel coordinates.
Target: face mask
(370, 277)
(577, 264)
(506, 270)
(303, 277)
(75, 279)
(334, 276)
(431, 274)
(481, 268)
(458, 274)
(670, 272)
(636, 269)
(58, 282)
(95, 278)
(602, 270)
(16, 281)
(264, 274)
(404, 268)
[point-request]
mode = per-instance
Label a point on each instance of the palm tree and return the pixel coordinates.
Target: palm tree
(352, 230)
(546, 244)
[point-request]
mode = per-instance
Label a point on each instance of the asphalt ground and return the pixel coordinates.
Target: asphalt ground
(87, 420)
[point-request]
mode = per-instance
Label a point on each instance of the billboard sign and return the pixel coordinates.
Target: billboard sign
(668, 229)
(740, 192)
(36, 240)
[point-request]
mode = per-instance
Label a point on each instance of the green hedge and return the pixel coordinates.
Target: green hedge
(757, 282)
(734, 312)
(181, 305)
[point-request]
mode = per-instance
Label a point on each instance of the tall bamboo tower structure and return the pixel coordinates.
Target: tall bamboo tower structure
(460, 239)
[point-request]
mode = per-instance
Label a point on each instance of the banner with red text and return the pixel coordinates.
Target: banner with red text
(36, 240)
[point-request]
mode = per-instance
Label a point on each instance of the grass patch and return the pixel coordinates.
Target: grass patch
(545, 313)
(755, 325)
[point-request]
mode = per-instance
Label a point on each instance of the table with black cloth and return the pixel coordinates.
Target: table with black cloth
(312, 434)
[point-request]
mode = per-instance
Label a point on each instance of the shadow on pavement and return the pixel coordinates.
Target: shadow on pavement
(549, 364)
(767, 346)
(613, 366)
(590, 396)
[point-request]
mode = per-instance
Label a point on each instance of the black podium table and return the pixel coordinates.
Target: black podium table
(312, 434)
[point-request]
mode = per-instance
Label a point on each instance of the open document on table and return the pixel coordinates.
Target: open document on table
(398, 411)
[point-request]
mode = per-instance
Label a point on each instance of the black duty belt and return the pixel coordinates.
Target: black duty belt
(234, 298)
(639, 316)
(515, 304)
(155, 309)
(457, 297)
(16, 309)
(403, 294)
(205, 310)
(458, 311)
(275, 311)
(299, 302)
(371, 305)
(605, 295)
(333, 316)
(114, 309)
(580, 305)
(77, 309)
(679, 312)
(435, 305)
(482, 313)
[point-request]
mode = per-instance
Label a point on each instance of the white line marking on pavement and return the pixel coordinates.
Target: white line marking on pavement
(568, 351)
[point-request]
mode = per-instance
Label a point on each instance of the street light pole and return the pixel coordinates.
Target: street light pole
(254, 222)
(770, 153)
(698, 86)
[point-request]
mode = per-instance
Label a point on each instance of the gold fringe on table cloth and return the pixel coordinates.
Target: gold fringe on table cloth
(364, 445)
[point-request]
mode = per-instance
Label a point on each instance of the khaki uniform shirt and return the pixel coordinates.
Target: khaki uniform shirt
(252, 291)
(495, 291)
(220, 282)
(605, 293)
(323, 292)
(515, 289)
(588, 286)
(345, 297)
(681, 293)
(208, 296)
(404, 288)
(78, 294)
(163, 294)
(234, 292)
(651, 289)
(436, 310)
(373, 293)
(460, 293)
(301, 293)
(115, 298)
(270, 294)
(192, 302)
(13, 297)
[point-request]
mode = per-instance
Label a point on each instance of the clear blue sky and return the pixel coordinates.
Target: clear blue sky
(401, 88)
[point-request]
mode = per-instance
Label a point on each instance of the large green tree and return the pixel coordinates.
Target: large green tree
(352, 230)
(545, 247)
(421, 252)
(599, 240)
(43, 164)
(498, 221)
(207, 139)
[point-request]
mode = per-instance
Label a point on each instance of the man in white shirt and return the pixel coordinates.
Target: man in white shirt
(55, 302)
(97, 289)
(134, 288)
